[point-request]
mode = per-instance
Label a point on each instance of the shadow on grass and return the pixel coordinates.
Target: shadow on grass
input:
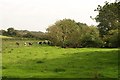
(82, 65)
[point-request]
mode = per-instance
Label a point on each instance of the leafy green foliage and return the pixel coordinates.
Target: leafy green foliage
(24, 34)
(91, 38)
(68, 33)
(28, 35)
(108, 17)
(10, 32)
(112, 39)
(63, 33)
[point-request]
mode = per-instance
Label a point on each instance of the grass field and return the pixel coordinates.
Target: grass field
(4, 36)
(43, 61)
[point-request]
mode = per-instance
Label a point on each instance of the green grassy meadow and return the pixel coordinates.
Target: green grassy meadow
(43, 61)
(4, 36)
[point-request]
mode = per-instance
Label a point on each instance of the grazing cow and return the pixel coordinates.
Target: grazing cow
(25, 44)
(17, 43)
(30, 44)
(44, 42)
(39, 42)
(49, 43)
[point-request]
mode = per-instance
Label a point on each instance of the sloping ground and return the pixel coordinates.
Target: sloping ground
(42, 61)
(4, 36)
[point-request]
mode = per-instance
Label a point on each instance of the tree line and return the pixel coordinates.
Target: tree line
(68, 33)
(23, 34)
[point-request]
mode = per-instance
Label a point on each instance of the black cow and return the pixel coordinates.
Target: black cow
(44, 42)
(17, 43)
(30, 44)
(40, 42)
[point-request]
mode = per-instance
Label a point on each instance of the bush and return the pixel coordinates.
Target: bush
(114, 39)
(91, 41)
(91, 38)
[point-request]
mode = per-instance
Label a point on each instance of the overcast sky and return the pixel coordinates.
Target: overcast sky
(37, 15)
